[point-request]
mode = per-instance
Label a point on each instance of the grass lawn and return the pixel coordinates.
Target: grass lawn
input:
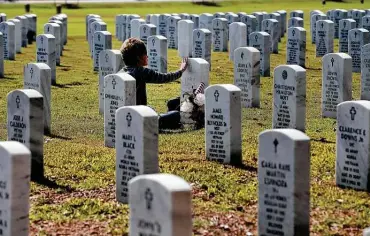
(80, 198)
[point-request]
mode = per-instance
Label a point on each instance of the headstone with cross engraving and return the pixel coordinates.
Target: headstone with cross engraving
(202, 40)
(270, 26)
(157, 53)
(223, 124)
(259, 17)
(219, 35)
(275, 16)
(89, 29)
(60, 21)
(296, 46)
(238, 37)
(338, 15)
(297, 13)
(283, 24)
(117, 26)
(195, 19)
(25, 124)
(160, 204)
(295, 22)
(262, 42)
(314, 19)
(365, 72)
(357, 16)
(336, 82)
(95, 27)
(289, 94)
(353, 144)
(122, 27)
(8, 31)
(24, 29)
(284, 182)
(205, 21)
(135, 27)
(54, 29)
(162, 25)
(1, 56)
(231, 18)
(129, 27)
(45, 53)
(172, 31)
(147, 30)
(110, 62)
(37, 76)
(136, 146)
(315, 12)
(366, 22)
(102, 41)
(219, 15)
(251, 23)
(185, 38)
(119, 91)
(61, 34)
(345, 26)
(18, 34)
(15, 171)
(357, 38)
(87, 19)
(247, 75)
(324, 37)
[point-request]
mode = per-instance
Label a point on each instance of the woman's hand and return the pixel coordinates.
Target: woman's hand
(184, 64)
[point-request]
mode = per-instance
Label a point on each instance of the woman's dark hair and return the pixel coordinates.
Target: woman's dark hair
(132, 51)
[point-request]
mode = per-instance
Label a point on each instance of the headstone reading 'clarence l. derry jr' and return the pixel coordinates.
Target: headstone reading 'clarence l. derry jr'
(238, 34)
(119, 91)
(18, 34)
(247, 75)
(157, 53)
(147, 30)
(185, 38)
(135, 27)
(296, 46)
(160, 204)
(25, 124)
(37, 76)
(345, 26)
(54, 29)
(353, 145)
(336, 82)
(284, 183)
(295, 22)
(365, 72)
(223, 124)
(202, 40)
(324, 37)
(262, 42)
(172, 31)
(102, 41)
(289, 93)
(45, 53)
(8, 31)
(1, 56)
(110, 62)
(251, 23)
(15, 171)
(356, 39)
(314, 19)
(270, 26)
(136, 146)
(219, 35)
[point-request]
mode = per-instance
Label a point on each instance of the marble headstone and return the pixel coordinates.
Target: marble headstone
(122, 24)
(345, 26)
(295, 22)
(284, 18)
(25, 124)
(366, 22)
(289, 94)
(24, 27)
(218, 15)
(314, 19)
(356, 39)
(45, 53)
(238, 37)
(54, 29)
(196, 73)
(324, 37)
(95, 27)
(184, 16)
(8, 31)
(275, 16)
(195, 19)
(87, 19)
(262, 42)
(129, 18)
(251, 23)
(219, 35)
(357, 16)
(102, 41)
(61, 34)
(157, 53)
(202, 40)
(297, 13)
(172, 31)
(18, 34)
(338, 15)
(270, 26)
(1, 56)
(296, 46)
(185, 38)
(135, 27)
(223, 124)
(336, 82)
(162, 25)
(147, 30)
(205, 21)
(247, 75)
(365, 72)
(259, 17)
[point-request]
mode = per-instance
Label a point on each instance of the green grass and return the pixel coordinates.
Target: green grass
(75, 157)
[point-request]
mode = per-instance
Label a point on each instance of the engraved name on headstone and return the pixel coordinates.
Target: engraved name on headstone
(262, 42)
(202, 40)
(345, 26)
(296, 46)
(157, 53)
(45, 53)
(356, 39)
(219, 35)
(324, 37)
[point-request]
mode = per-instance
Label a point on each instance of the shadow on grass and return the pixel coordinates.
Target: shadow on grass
(52, 184)
(322, 140)
(58, 136)
(8, 78)
(68, 85)
(243, 166)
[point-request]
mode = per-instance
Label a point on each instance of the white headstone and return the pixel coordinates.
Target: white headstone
(295, 22)
(45, 53)
(218, 15)
(162, 25)
(61, 46)
(353, 145)
(89, 23)
(366, 232)
(157, 53)
(195, 19)
(251, 23)
(184, 16)
(205, 21)
(25, 124)
(357, 16)
(185, 37)
(102, 41)
(147, 30)
(289, 93)
(147, 18)
(270, 26)
(238, 34)
(345, 26)
(15, 188)
(297, 13)
(284, 18)
(1, 56)
(324, 37)
(18, 34)
(284, 182)
(122, 25)
(247, 75)
(154, 20)
(65, 27)
(262, 42)
(223, 124)
(2, 17)
(24, 29)
(356, 39)
(296, 46)
(87, 19)
(135, 27)
(129, 27)
(336, 82)
(338, 15)
(160, 204)
(172, 31)
(54, 29)
(366, 22)
(8, 30)
(119, 91)
(277, 17)
(314, 19)
(37, 76)
(95, 27)
(219, 35)
(365, 72)
(202, 40)
(136, 146)
(110, 62)
(259, 17)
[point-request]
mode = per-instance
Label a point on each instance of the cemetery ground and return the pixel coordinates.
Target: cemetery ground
(79, 196)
